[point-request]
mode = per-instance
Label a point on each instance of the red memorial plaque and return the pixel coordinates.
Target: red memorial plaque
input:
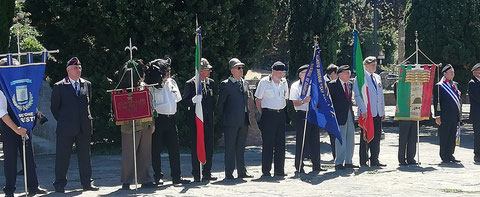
(131, 105)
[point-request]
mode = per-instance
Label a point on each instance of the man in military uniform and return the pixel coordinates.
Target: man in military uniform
(474, 94)
(207, 99)
(447, 115)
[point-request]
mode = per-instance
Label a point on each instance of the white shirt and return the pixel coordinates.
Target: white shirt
(73, 83)
(295, 92)
(166, 98)
(273, 94)
(3, 104)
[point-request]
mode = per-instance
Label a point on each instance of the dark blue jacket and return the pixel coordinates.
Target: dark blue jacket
(474, 94)
(341, 104)
(449, 111)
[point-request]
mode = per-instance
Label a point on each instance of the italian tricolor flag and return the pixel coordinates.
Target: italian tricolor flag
(414, 92)
(365, 123)
(198, 107)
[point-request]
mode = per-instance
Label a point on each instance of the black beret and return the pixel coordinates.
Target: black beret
(477, 66)
(446, 68)
(343, 68)
(279, 66)
(302, 68)
(73, 61)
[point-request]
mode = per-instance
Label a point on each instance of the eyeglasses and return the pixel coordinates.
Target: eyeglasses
(239, 67)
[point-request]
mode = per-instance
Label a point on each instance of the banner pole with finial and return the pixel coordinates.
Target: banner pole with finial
(131, 48)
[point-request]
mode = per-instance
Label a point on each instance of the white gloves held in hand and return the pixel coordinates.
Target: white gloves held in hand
(197, 99)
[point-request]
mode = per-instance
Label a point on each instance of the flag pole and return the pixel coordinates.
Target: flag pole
(315, 47)
(131, 48)
(24, 140)
(418, 121)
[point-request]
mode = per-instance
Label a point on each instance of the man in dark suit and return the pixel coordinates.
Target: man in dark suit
(446, 101)
(233, 108)
(341, 93)
(207, 99)
(70, 106)
(474, 94)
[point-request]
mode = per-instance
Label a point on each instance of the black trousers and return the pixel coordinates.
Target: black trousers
(272, 125)
(332, 144)
(476, 137)
(447, 133)
(208, 140)
(312, 137)
(62, 159)
(11, 144)
(165, 134)
(407, 141)
(373, 146)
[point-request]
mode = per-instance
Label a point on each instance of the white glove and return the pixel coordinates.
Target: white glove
(197, 99)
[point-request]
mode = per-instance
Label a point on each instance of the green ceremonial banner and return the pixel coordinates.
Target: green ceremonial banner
(414, 92)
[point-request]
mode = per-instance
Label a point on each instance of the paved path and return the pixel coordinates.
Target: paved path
(429, 179)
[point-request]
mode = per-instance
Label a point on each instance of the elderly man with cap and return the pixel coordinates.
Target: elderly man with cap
(233, 109)
(271, 95)
(12, 133)
(312, 132)
(207, 99)
(474, 95)
(446, 101)
(377, 105)
(166, 95)
(70, 106)
(341, 93)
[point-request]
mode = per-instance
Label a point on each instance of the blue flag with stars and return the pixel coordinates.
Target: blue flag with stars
(321, 110)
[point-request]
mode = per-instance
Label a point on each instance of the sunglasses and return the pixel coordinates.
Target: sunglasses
(239, 67)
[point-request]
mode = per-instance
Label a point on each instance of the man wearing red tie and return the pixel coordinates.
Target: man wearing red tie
(446, 101)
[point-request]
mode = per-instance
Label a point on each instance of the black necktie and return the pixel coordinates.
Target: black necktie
(373, 81)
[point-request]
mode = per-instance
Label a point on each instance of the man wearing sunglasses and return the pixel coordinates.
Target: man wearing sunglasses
(233, 108)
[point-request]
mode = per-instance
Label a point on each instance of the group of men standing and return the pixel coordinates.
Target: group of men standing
(72, 96)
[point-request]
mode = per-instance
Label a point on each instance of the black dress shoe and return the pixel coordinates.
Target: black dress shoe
(126, 186)
(379, 164)
(196, 179)
(349, 165)
(446, 161)
(9, 195)
(280, 174)
(90, 188)
(454, 160)
(229, 177)
(476, 159)
(209, 178)
(159, 181)
(35, 191)
(412, 163)
(245, 176)
(339, 167)
(181, 181)
(148, 185)
(59, 190)
(403, 164)
(266, 175)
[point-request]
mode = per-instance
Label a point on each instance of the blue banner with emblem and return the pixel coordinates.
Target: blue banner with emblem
(321, 111)
(21, 84)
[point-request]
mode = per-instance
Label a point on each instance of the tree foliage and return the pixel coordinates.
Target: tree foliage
(97, 31)
(448, 33)
(307, 19)
(6, 20)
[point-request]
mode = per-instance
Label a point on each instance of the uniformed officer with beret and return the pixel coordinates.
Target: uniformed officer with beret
(474, 95)
(271, 95)
(446, 101)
